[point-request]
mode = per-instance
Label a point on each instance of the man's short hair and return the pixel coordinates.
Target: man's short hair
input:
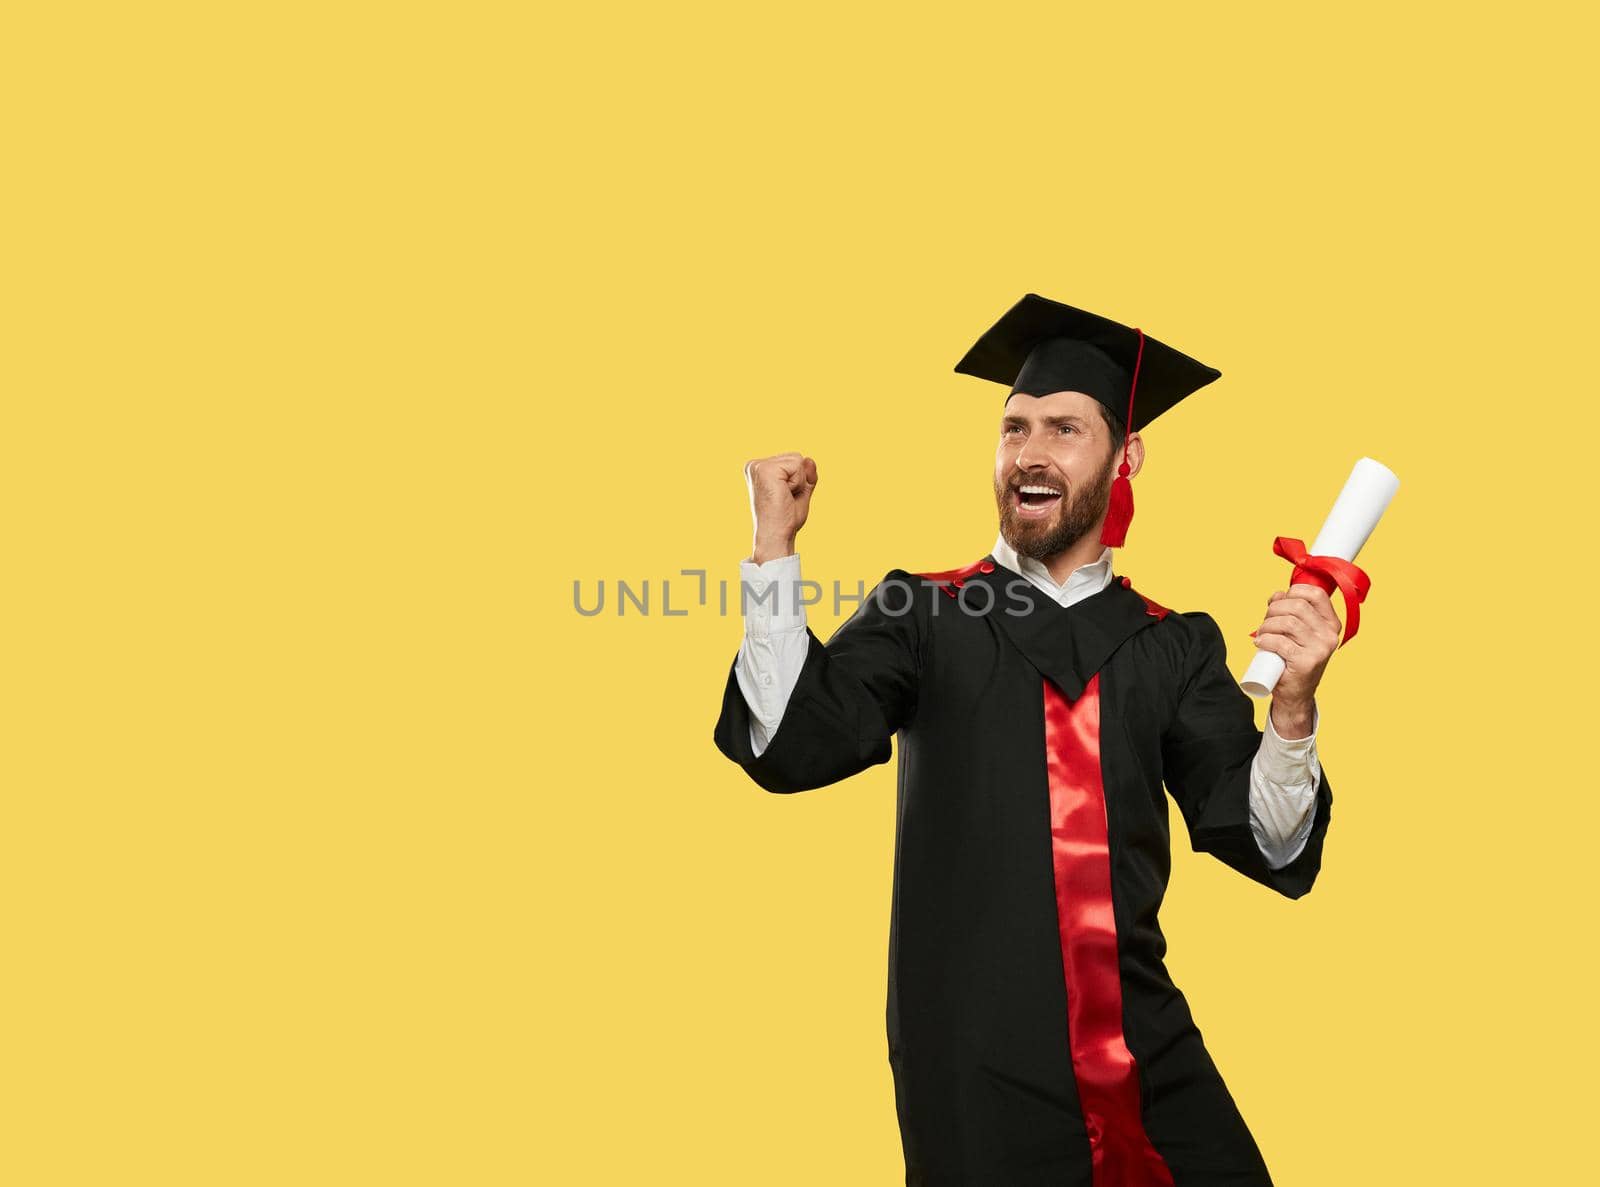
(1114, 426)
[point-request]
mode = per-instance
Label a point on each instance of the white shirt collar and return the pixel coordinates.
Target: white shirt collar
(1081, 583)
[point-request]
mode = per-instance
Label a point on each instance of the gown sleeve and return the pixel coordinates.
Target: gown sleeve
(851, 696)
(1206, 756)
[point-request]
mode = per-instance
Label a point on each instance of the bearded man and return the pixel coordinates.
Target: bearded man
(1041, 703)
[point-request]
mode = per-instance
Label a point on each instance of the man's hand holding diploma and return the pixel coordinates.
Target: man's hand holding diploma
(1301, 628)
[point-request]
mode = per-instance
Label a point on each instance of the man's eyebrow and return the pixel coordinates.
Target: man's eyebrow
(1069, 418)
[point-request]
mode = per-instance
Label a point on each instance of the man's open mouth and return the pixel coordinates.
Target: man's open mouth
(1036, 499)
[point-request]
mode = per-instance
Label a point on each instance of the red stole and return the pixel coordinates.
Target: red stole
(1107, 1076)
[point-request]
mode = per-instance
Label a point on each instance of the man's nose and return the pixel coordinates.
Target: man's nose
(1029, 458)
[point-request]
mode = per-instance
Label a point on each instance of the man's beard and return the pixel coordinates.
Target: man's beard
(1080, 510)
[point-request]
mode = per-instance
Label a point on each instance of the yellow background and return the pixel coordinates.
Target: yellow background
(339, 341)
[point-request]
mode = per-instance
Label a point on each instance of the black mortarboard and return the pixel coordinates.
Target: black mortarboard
(1041, 346)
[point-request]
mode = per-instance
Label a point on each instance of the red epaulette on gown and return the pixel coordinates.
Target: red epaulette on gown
(1150, 606)
(950, 580)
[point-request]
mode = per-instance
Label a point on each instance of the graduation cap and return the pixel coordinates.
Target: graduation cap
(1041, 346)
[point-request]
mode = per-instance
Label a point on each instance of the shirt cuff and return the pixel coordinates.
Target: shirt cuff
(769, 596)
(1290, 760)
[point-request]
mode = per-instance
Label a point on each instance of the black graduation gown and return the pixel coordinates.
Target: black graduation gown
(1035, 1036)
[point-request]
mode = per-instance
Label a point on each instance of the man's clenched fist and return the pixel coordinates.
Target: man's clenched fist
(780, 499)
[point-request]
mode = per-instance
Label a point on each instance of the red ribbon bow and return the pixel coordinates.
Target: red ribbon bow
(1328, 573)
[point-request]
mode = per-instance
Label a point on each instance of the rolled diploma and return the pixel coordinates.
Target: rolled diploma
(1355, 513)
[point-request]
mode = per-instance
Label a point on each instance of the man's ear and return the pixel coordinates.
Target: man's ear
(1135, 455)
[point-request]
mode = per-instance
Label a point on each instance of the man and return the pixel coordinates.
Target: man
(1035, 1036)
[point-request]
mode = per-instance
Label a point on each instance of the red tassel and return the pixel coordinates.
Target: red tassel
(1119, 512)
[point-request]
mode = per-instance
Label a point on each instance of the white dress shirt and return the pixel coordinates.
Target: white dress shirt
(1283, 775)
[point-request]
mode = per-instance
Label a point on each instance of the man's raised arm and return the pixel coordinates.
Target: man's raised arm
(797, 714)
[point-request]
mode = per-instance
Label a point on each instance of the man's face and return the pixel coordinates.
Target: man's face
(1052, 471)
